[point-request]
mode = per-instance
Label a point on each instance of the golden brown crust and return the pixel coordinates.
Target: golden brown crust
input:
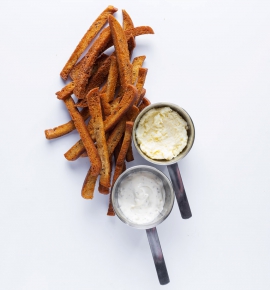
(89, 185)
(65, 128)
(85, 136)
(103, 189)
(140, 82)
(66, 91)
(94, 106)
(122, 52)
(127, 21)
(87, 38)
(116, 136)
(122, 154)
(106, 108)
(112, 79)
(136, 64)
(145, 103)
(143, 92)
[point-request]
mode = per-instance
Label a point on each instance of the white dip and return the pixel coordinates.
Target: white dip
(141, 197)
(162, 133)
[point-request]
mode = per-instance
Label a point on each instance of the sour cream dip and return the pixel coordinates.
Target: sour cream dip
(162, 133)
(141, 197)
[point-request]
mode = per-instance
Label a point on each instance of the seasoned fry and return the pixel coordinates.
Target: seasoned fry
(103, 189)
(122, 154)
(116, 136)
(89, 185)
(127, 21)
(106, 108)
(144, 104)
(85, 136)
(112, 80)
(100, 76)
(66, 91)
(136, 64)
(65, 128)
(74, 73)
(143, 92)
(131, 116)
(122, 53)
(110, 208)
(140, 82)
(84, 154)
(87, 38)
(103, 42)
(94, 106)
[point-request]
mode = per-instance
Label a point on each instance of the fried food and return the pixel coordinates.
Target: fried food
(140, 83)
(85, 136)
(145, 103)
(122, 52)
(87, 38)
(106, 108)
(65, 128)
(66, 91)
(127, 21)
(94, 106)
(136, 64)
(116, 136)
(89, 185)
(112, 80)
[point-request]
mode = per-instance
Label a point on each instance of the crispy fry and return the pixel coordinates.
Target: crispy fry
(66, 92)
(103, 189)
(85, 136)
(116, 136)
(74, 73)
(145, 103)
(114, 104)
(143, 92)
(110, 208)
(87, 38)
(100, 76)
(122, 154)
(65, 128)
(122, 53)
(140, 82)
(103, 42)
(106, 108)
(89, 185)
(131, 116)
(94, 106)
(136, 64)
(127, 21)
(112, 80)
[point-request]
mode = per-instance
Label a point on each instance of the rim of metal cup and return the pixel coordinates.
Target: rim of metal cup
(124, 175)
(191, 132)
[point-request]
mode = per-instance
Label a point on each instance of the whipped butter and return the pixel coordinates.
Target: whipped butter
(141, 197)
(162, 133)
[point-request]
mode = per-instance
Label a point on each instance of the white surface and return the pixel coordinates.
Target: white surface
(210, 57)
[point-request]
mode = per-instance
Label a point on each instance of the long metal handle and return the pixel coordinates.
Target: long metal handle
(179, 190)
(157, 254)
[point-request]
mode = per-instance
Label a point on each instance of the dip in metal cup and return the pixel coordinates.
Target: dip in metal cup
(149, 227)
(172, 166)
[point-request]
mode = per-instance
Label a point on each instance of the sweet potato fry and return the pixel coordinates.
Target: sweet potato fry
(144, 104)
(116, 136)
(85, 136)
(136, 64)
(140, 82)
(100, 76)
(87, 38)
(122, 53)
(122, 154)
(89, 185)
(127, 21)
(103, 42)
(74, 73)
(66, 91)
(65, 128)
(106, 108)
(112, 80)
(94, 106)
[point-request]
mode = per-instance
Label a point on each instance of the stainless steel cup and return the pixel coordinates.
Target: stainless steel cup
(149, 227)
(172, 166)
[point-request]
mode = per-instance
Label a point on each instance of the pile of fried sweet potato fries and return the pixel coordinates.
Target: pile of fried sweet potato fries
(110, 91)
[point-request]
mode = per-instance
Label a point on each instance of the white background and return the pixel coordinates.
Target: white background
(211, 58)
